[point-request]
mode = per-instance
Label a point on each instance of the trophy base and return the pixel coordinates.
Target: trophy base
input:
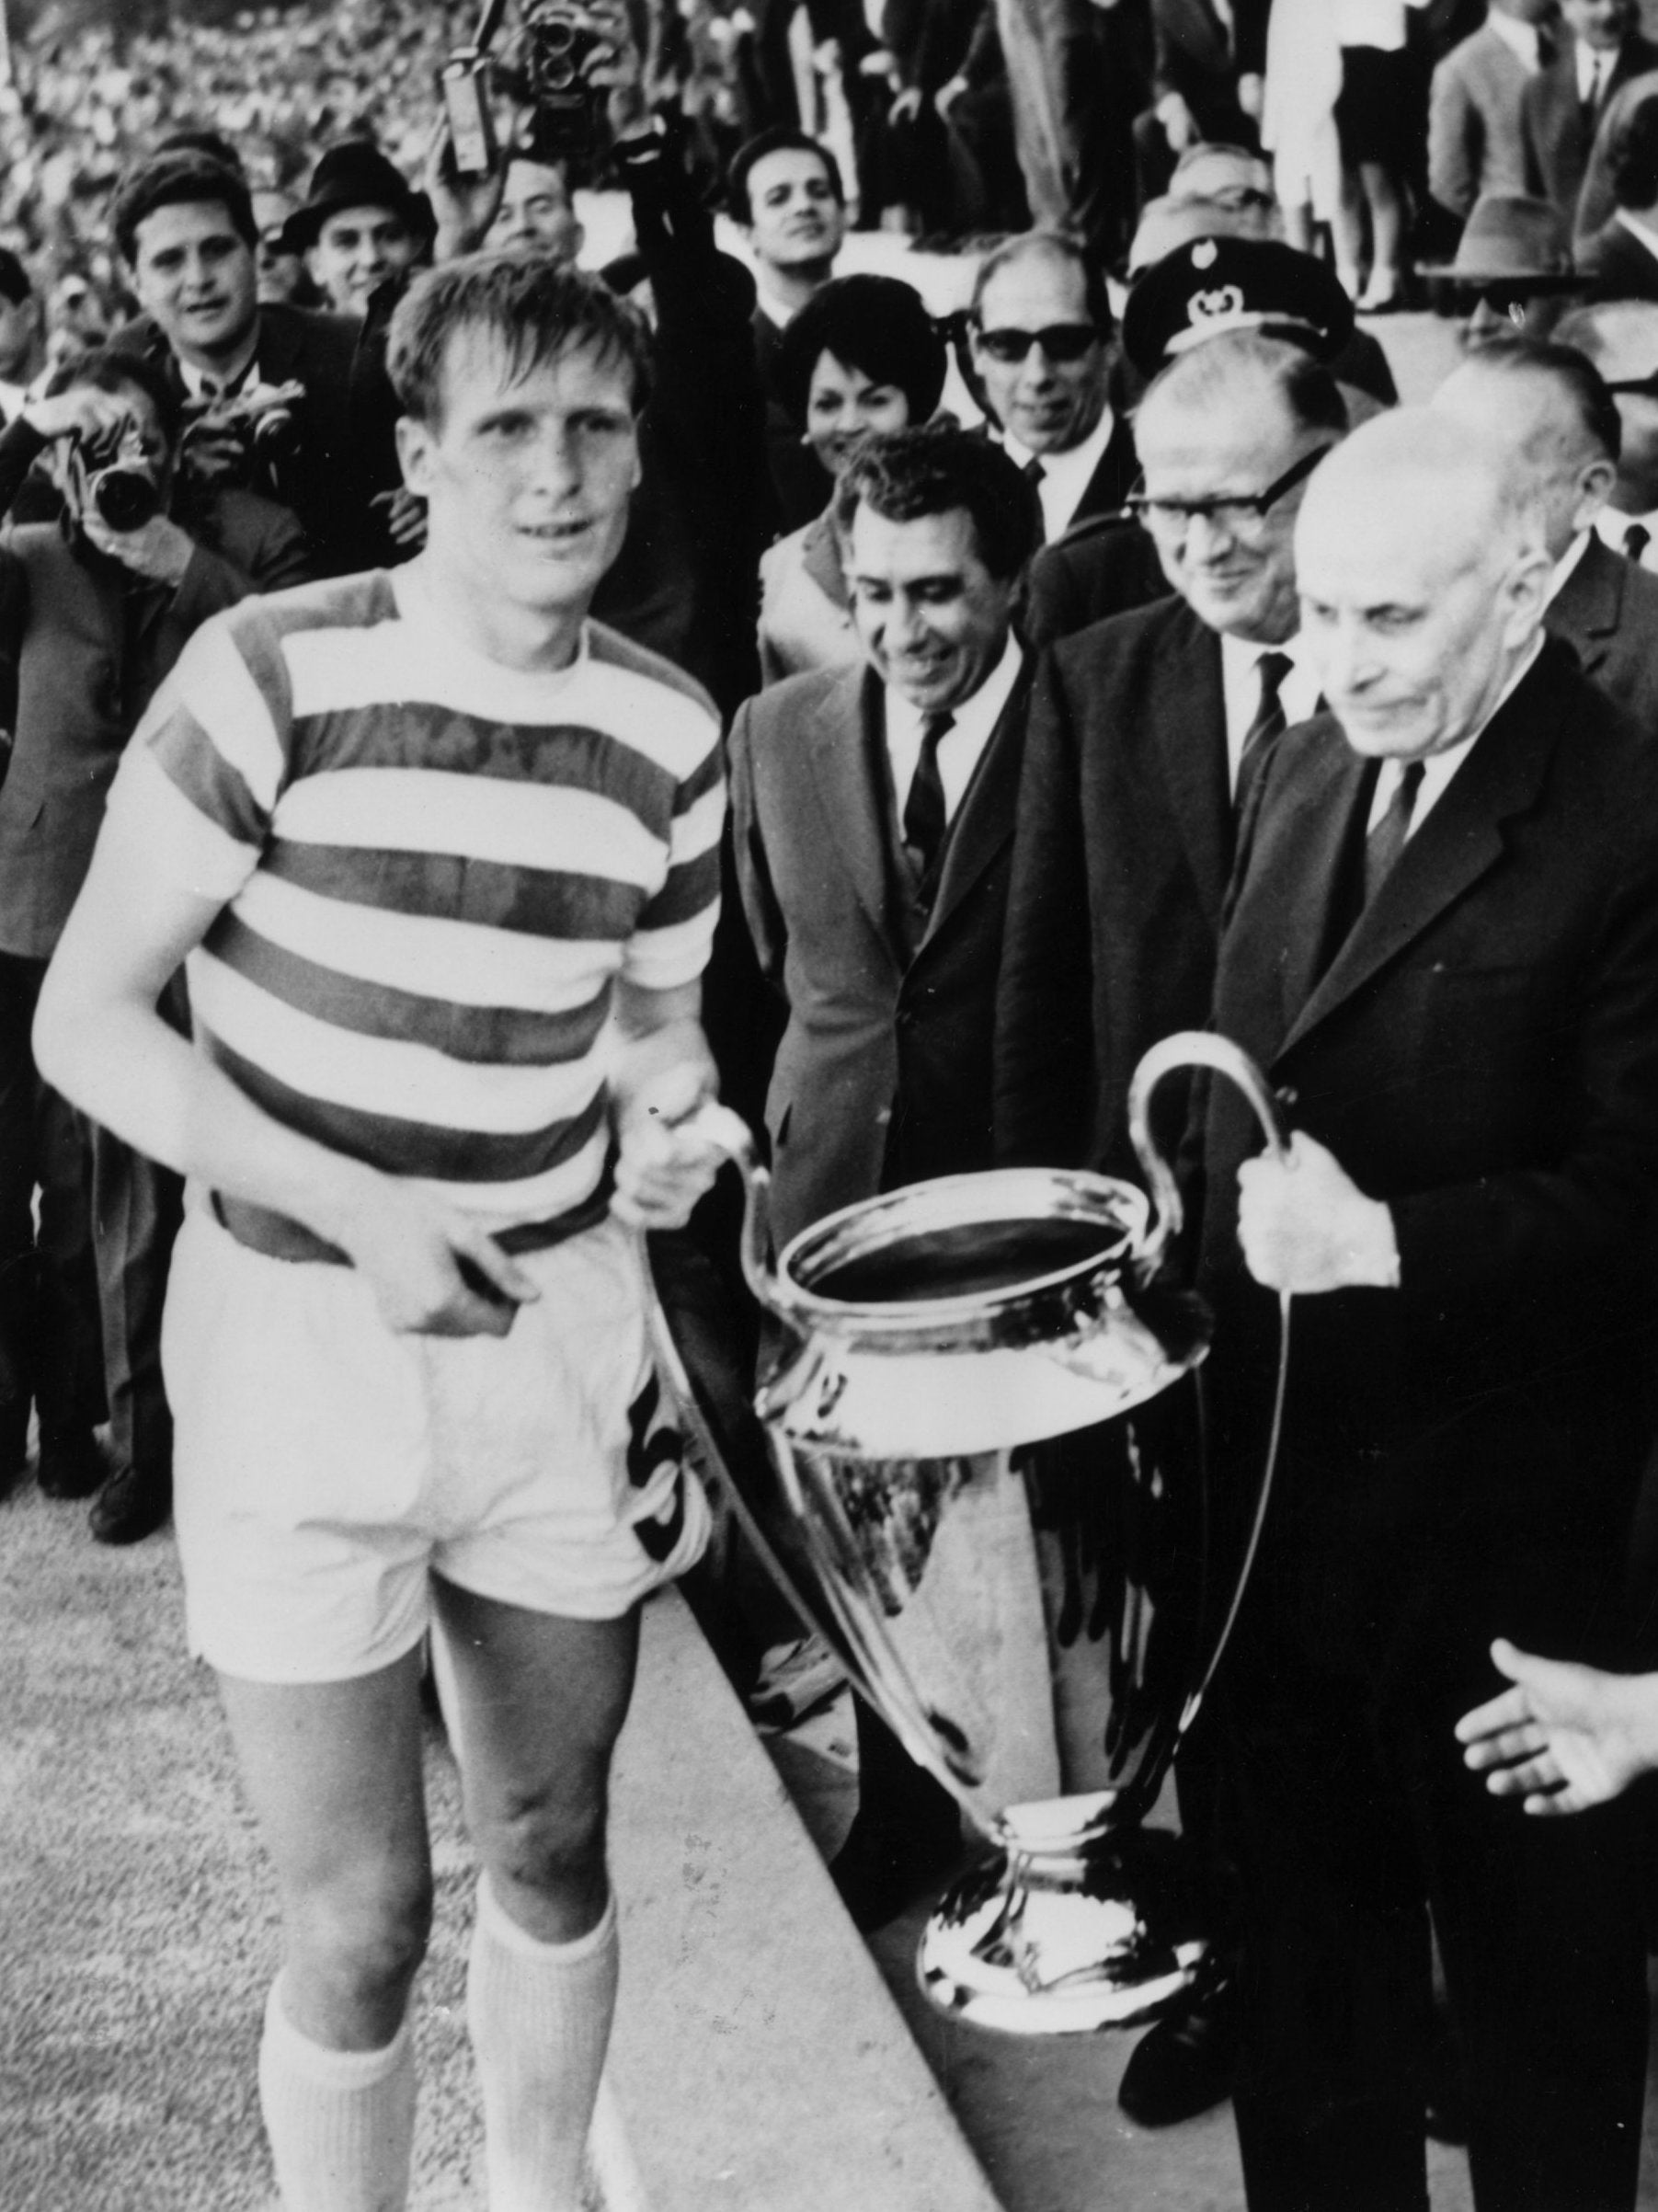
(1067, 1942)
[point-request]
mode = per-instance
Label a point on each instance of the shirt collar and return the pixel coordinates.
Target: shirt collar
(1065, 477)
(1594, 66)
(197, 380)
(974, 719)
(1567, 563)
(1439, 768)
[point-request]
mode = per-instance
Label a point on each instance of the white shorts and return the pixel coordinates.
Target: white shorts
(323, 1464)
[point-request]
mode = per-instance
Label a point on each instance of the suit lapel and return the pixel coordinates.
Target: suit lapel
(1188, 727)
(984, 821)
(1460, 841)
(853, 800)
(1589, 606)
(1112, 478)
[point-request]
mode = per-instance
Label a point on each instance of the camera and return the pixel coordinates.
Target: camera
(125, 493)
(554, 45)
(543, 70)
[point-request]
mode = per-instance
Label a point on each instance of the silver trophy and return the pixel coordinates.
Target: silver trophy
(1022, 1572)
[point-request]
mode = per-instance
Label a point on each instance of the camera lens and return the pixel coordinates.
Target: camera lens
(125, 498)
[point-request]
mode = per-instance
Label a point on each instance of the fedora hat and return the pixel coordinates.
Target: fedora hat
(355, 174)
(1522, 243)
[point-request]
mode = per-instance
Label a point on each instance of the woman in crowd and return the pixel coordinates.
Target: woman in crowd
(861, 355)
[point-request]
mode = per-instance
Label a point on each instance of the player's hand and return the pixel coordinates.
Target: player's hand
(1565, 1737)
(667, 1158)
(435, 1272)
(160, 551)
(81, 412)
(1305, 1226)
(1251, 94)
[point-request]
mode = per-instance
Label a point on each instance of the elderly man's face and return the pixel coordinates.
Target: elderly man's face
(932, 618)
(1412, 632)
(1599, 22)
(1235, 568)
(1049, 404)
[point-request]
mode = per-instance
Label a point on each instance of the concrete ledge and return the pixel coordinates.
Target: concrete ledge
(759, 2062)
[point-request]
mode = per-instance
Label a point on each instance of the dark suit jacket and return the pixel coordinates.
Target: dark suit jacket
(1619, 265)
(324, 479)
(883, 1074)
(1480, 1052)
(1552, 128)
(1192, 56)
(1607, 612)
(83, 646)
(800, 482)
(1123, 853)
(1113, 476)
(1098, 568)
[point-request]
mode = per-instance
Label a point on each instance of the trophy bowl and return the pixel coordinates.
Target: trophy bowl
(972, 1418)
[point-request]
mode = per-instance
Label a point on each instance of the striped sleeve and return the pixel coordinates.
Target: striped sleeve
(674, 934)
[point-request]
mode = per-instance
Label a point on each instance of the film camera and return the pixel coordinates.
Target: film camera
(542, 69)
(121, 481)
(259, 420)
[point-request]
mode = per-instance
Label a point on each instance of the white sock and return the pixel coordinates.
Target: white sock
(341, 2124)
(540, 2015)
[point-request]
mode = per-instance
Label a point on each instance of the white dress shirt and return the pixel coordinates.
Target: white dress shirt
(1439, 767)
(1240, 686)
(962, 745)
(1643, 233)
(1594, 66)
(1065, 477)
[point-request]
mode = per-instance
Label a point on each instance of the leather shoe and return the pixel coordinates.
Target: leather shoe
(132, 1505)
(70, 1463)
(1184, 2062)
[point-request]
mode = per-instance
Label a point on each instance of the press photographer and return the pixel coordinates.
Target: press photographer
(94, 611)
(268, 386)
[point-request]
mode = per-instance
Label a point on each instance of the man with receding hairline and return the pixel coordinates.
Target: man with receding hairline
(1443, 950)
(1551, 409)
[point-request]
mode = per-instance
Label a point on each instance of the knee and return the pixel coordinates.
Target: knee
(548, 1842)
(361, 1937)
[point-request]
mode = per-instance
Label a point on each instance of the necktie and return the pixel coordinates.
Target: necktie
(1597, 83)
(1269, 725)
(1545, 48)
(924, 819)
(1387, 841)
(1636, 539)
(1033, 471)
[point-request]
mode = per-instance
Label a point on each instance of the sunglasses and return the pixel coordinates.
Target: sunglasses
(1061, 342)
(1228, 511)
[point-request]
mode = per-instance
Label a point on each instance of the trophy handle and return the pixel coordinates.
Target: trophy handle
(729, 1133)
(1190, 1048)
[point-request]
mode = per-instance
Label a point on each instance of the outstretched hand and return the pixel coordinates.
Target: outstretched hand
(1565, 1737)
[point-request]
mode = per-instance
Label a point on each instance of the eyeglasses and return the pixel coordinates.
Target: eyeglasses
(1645, 386)
(1061, 342)
(1229, 510)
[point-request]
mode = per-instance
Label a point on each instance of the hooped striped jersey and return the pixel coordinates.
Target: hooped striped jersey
(432, 869)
